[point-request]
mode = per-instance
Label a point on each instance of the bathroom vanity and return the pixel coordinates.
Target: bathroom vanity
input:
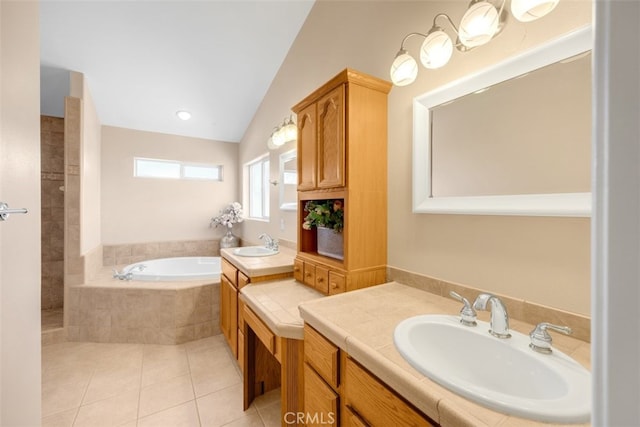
(237, 272)
(354, 373)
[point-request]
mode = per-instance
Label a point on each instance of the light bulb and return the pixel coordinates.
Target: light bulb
(530, 10)
(436, 49)
(183, 115)
(404, 69)
(479, 24)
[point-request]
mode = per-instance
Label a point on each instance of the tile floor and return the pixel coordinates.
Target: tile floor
(192, 384)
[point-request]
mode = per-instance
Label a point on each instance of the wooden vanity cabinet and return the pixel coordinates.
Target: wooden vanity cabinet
(229, 305)
(339, 391)
(321, 379)
(342, 154)
(231, 325)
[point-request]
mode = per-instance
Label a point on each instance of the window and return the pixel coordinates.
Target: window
(174, 169)
(257, 173)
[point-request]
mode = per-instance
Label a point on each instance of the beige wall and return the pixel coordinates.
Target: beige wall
(138, 210)
(20, 235)
(543, 260)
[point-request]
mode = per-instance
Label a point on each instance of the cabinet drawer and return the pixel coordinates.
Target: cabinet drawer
(261, 330)
(322, 355)
(230, 271)
(374, 403)
(320, 401)
(322, 280)
(309, 275)
(243, 280)
(336, 283)
(298, 270)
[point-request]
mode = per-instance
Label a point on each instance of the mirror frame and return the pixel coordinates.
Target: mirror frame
(284, 158)
(558, 204)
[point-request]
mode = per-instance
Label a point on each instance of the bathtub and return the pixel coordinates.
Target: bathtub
(172, 301)
(176, 269)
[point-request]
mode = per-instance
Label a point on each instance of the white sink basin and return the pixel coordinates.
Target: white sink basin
(502, 374)
(254, 251)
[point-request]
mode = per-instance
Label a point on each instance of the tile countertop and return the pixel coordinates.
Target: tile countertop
(276, 303)
(362, 323)
(281, 262)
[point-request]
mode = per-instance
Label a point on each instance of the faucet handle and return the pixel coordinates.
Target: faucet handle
(467, 313)
(540, 338)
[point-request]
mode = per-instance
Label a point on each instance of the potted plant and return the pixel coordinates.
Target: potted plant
(327, 217)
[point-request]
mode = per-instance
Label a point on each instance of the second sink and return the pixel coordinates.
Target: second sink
(502, 374)
(254, 251)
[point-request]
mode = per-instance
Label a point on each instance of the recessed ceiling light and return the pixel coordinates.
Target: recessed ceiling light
(183, 115)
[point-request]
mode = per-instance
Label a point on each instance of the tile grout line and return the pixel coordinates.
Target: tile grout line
(144, 346)
(193, 388)
(93, 372)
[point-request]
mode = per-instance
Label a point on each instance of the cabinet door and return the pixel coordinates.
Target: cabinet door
(320, 401)
(229, 313)
(331, 146)
(233, 321)
(307, 149)
(225, 306)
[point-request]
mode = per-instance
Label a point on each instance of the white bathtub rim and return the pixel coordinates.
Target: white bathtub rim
(165, 269)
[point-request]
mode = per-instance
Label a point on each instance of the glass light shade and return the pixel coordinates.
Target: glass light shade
(278, 137)
(404, 69)
(530, 10)
(436, 49)
(290, 132)
(271, 145)
(479, 24)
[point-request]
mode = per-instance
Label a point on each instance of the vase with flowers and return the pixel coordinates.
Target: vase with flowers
(327, 217)
(230, 215)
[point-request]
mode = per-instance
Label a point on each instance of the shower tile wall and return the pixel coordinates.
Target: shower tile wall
(52, 198)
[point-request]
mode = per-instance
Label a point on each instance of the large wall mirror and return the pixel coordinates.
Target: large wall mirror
(289, 181)
(514, 139)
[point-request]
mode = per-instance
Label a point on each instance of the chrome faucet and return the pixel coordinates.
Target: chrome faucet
(270, 242)
(127, 274)
(499, 316)
(540, 338)
(467, 313)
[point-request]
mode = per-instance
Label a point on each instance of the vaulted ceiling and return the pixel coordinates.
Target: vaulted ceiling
(146, 60)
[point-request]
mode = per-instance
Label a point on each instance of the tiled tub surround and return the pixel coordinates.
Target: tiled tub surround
(362, 324)
(110, 310)
(113, 255)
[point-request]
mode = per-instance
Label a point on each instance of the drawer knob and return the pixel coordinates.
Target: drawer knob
(320, 279)
(334, 285)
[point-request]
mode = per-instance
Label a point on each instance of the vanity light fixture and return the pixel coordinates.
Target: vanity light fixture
(530, 10)
(286, 132)
(183, 115)
(482, 21)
